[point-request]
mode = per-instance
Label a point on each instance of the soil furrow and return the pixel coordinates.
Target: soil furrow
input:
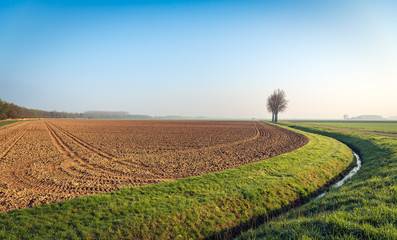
(85, 144)
(4, 154)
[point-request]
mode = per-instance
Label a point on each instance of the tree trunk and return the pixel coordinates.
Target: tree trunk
(276, 117)
(272, 117)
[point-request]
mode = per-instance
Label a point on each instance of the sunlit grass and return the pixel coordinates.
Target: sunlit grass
(364, 208)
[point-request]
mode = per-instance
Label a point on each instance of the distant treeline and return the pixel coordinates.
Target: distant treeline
(12, 111)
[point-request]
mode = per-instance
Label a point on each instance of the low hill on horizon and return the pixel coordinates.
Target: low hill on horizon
(365, 117)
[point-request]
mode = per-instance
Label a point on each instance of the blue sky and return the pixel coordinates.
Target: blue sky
(200, 58)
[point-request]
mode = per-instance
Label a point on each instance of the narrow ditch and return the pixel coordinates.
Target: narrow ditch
(254, 223)
(347, 177)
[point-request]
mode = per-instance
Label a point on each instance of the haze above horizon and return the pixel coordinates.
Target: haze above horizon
(201, 58)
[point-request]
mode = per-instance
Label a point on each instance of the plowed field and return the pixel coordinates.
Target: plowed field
(52, 160)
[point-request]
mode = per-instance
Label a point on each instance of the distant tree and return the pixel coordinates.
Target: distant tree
(14, 111)
(269, 106)
(4, 106)
(276, 103)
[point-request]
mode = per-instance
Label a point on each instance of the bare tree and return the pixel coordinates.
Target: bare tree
(269, 106)
(276, 103)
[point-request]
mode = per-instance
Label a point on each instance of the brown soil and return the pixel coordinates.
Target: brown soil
(49, 161)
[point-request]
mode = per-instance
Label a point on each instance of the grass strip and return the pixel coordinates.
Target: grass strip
(206, 206)
(3, 123)
(386, 127)
(364, 208)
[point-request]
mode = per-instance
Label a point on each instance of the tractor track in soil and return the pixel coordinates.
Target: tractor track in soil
(76, 163)
(13, 142)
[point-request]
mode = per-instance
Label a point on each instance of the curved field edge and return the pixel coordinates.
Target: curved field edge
(197, 207)
(364, 208)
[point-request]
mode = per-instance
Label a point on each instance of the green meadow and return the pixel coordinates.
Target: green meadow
(386, 127)
(365, 207)
(216, 205)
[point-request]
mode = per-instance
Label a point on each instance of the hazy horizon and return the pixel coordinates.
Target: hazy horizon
(201, 58)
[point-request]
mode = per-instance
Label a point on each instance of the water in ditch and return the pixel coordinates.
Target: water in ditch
(347, 177)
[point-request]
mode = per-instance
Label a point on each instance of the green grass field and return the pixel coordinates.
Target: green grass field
(386, 127)
(207, 206)
(364, 208)
(8, 122)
